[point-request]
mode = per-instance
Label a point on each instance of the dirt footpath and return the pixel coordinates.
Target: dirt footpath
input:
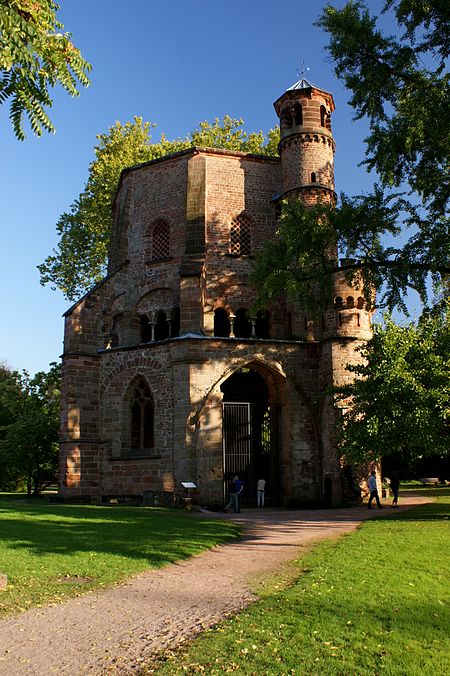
(114, 631)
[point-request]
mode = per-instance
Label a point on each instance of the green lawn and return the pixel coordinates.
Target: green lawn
(374, 602)
(51, 552)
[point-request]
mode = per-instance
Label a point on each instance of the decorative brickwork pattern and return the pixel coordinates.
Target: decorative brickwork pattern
(241, 235)
(160, 241)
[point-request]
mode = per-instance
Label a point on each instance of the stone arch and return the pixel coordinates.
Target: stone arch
(274, 368)
(158, 314)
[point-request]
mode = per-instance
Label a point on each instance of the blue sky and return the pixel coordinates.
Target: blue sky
(174, 63)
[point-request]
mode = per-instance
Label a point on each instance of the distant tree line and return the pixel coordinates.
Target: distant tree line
(29, 425)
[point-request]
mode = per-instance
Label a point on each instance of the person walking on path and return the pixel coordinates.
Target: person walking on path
(260, 488)
(372, 484)
(395, 485)
(236, 488)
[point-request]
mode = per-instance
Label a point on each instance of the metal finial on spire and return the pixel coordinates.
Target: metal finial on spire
(302, 70)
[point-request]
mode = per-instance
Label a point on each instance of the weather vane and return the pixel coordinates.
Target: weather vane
(301, 71)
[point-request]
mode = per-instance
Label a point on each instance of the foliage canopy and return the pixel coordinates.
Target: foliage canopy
(400, 400)
(29, 423)
(34, 57)
(399, 233)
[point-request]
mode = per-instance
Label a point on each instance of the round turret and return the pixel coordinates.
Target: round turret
(306, 143)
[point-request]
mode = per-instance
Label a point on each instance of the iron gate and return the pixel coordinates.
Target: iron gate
(250, 448)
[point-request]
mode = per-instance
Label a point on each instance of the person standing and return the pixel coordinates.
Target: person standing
(260, 488)
(236, 487)
(372, 484)
(395, 485)
(239, 490)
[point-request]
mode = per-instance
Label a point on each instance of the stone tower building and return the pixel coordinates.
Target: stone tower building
(167, 377)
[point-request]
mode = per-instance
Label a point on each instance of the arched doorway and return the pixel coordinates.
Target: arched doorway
(251, 435)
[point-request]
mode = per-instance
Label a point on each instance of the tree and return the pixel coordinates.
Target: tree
(80, 259)
(399, 403)
(29, 423)
(34, 57)
(401, 85)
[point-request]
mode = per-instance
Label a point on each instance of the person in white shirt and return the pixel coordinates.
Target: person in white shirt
(260, 488)
(372, 485)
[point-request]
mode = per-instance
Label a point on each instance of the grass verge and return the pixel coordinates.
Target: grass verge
(52, 552)
(374, 602)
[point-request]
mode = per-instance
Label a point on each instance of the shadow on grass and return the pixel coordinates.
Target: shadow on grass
(156, 535)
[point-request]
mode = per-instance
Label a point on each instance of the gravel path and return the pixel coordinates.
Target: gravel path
(114, 631)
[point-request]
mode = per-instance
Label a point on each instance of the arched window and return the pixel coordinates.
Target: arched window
(161, 326)
(350, 302)
(141, 417)
(313, 177)
(146, 329)
(298, 114)
(262, 324)
(116, 331)
(221, 323)
(240, 235)
(323, 116)
(286, 120)
(160, 240)
(242, 324)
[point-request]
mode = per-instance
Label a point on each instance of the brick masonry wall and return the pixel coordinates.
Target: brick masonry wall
(198, 193)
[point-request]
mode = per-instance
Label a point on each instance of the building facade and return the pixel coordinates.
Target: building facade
(167, 375)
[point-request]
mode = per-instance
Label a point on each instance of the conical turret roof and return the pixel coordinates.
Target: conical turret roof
(303, 83)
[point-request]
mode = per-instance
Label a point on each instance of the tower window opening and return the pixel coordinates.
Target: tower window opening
(288, 325)
(323, 116)
(242, 324)
(350, 302)
(160, 240)
(298, 114)
(262, 324)
(161, 326)
(240, 235)
(360, 304)
(286, 120)
(146, 329)
(115, 331)
(358, 319)
(175, 322)
(141, 418)
(222, 325)
(313, 177)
